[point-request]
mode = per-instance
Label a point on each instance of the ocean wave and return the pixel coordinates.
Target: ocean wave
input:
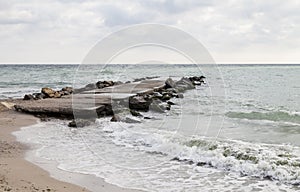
(264, 161)
(276, 116)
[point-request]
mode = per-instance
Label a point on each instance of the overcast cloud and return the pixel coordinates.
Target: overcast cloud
(234, 31)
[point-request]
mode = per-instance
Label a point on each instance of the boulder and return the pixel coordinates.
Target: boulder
(118, 83)
(166, 97)
(67, 90)
(139, 79)
(115, 118)
(28, 97)
(184, 84)
(197, 80)
(170, 103)
(169, 83)
(57, 94)
(48, 92)
(38, 96)
(139, 103)
(179, 95)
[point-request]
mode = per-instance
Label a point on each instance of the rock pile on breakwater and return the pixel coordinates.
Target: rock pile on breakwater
(47, 92)
(111, 99)
(158, 100)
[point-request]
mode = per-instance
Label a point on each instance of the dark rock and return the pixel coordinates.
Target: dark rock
(103, 84)
(115, 118)
(197, 80)
(139, 79)
(147, 117)
(179, 95)
(48, 92)
(172, 90)
(135, 113)
(65, 93)
(109, 83)
(153, 77)
(139, 103)
(79, 123)
(169, 83)
(118, 83)
(170, 103)
(67, 90)
(28, 97)
(39, 96)
(128, 82)
(201, 163)
(168, 107)
(166, 97)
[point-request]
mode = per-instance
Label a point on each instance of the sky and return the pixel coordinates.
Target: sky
(233, 31)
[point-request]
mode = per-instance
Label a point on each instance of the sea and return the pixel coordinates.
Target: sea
(240, 131)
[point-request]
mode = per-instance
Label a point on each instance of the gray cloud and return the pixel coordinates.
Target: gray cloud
(63, 31)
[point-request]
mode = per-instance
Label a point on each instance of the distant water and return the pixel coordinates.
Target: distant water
(246, 139)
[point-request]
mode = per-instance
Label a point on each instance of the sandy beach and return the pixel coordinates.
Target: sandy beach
(17, 174)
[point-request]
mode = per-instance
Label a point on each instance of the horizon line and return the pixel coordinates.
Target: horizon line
(150, 63)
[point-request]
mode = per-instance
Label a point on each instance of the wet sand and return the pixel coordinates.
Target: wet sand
(18, 174)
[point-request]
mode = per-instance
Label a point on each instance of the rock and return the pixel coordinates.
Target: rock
(108, 83)
(79, 123)
(115, 118)
(179, 95)
(168, 107)
(147, 117)
(103, 84)
(169, 83)
(139, 103)
(185, 84)
(166, 97)
(67, 90)
(157, 95)
(48, 92)
(172, 90)
(38, 96)
(197, 80)
(135, 113)
(118, 83)
(139, 79)
(57, 94)
(131, 120)
(170, 103)
(28, 97)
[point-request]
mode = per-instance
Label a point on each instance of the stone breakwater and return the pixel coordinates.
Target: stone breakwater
(107, 98)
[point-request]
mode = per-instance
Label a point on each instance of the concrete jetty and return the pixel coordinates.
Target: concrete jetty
(107, 98)
(88, 103)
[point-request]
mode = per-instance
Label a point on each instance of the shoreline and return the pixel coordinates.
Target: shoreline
(17, 161)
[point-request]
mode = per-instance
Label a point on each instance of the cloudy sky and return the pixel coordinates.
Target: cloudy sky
(234, 31)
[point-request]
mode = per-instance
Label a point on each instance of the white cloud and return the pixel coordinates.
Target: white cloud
(233, 31)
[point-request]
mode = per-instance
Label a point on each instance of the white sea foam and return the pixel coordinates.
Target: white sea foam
(131, 156)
